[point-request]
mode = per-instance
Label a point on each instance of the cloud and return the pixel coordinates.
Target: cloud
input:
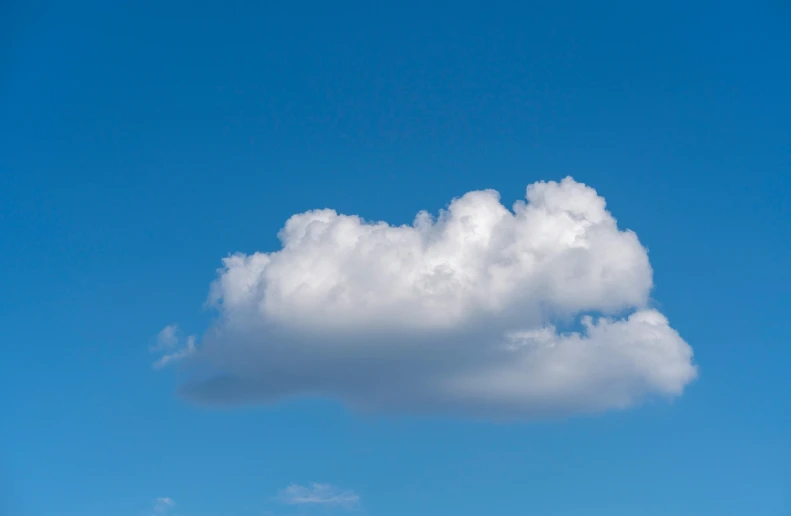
(319, 494)
(168, 339)
(163, 505)
(485, 311)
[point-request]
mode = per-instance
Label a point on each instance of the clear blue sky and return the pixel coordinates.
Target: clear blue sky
(142, 143)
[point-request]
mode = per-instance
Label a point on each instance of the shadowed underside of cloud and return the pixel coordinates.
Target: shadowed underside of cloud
(455, 313)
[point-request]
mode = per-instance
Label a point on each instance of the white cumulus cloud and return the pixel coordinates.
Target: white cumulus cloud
(540, 309)
(319, 494)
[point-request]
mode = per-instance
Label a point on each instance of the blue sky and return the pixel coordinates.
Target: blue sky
(142, 144)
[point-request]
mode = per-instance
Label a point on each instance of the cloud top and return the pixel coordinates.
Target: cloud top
(455, 312)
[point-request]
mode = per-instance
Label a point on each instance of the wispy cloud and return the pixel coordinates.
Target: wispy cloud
(319, 494)
(169, 342)
(162, 506)
(167, 338)
(181, 354)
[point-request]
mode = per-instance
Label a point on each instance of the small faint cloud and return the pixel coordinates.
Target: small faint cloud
(319, 494)
(167, 338)
(162, 506)
(169, 343)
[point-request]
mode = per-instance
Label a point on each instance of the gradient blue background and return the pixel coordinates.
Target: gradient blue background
(143, 142)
